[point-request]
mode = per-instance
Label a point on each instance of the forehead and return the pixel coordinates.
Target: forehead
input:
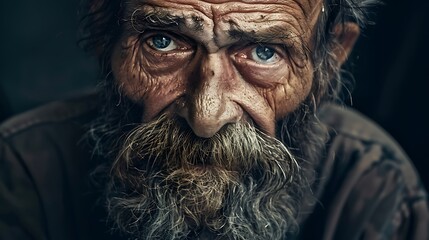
(211, 7)
(215, 21)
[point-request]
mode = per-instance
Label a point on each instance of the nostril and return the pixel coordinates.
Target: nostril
(205, 129)
(207, 126)
(202, 125)
(206, 133)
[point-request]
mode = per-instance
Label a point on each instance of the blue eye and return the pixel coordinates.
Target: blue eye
(264, 54)
(162, 43)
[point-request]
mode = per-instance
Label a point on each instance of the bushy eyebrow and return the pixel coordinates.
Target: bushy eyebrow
(273, 34)
(164, 20)
(158, 19)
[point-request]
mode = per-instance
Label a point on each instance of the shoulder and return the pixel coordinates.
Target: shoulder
(359, 147)
(50, 132)
(48, 138)
(370, 185)
(349, 123)
(53, 113)
(43, 165)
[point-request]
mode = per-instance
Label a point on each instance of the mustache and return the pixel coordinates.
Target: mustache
(168, 183)
(169, 143)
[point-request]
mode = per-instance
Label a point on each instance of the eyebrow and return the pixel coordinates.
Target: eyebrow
(275, 34)
(158, 19)
(272, 34)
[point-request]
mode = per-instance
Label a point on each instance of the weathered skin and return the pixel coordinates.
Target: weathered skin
(209, 75)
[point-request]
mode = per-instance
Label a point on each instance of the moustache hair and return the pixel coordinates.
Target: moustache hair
(167, 183)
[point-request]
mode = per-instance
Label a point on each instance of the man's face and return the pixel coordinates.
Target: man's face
(217, 62)
(212, 80)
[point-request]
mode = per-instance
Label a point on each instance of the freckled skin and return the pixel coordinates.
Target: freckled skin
(212, 78)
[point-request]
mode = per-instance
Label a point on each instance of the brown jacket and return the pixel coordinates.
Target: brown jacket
(366, 187)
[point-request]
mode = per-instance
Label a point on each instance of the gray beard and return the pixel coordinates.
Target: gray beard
(166, 183)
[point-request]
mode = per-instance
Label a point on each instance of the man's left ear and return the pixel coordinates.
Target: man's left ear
(346, 35)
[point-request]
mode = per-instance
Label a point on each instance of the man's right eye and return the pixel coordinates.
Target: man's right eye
(162, 43)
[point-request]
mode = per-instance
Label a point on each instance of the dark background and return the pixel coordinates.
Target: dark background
(40, 62)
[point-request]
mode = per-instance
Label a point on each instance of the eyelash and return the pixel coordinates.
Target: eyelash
(181, 41)
(280, 50)
(184, 43)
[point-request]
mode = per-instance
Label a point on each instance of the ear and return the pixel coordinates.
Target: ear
(346, 35)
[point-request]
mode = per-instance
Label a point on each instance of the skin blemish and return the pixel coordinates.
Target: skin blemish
(227, 59)
(198, 23)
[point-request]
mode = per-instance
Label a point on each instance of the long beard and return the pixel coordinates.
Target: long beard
(167, 183)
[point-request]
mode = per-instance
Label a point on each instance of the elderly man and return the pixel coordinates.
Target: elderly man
(216, 120)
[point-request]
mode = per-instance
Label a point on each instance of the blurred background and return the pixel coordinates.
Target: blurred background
(40, 62)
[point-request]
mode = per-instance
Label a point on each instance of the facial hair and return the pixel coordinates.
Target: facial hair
(167, 183)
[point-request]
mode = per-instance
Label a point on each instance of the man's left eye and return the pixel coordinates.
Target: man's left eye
(264, 54)
(162, 43)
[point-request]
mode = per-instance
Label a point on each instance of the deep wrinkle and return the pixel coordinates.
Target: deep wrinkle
(159, 19)
(162, 20)
(233, 68)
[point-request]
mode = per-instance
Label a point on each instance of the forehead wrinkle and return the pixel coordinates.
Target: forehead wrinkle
(294, 14)
(308, 7)
(213, 12)
(272, 28)
(188, 5)
(263, 21)
(305, 7)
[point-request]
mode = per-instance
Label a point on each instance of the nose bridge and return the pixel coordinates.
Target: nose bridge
(210, 95)
(211, 107)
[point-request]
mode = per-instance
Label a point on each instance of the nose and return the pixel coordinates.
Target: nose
(210, 105)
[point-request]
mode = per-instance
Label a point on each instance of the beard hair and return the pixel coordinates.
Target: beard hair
(167, 183)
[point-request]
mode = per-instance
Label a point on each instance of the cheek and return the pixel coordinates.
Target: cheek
(290, 95)
(128, 70)
(144, 79)
(142, 75)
